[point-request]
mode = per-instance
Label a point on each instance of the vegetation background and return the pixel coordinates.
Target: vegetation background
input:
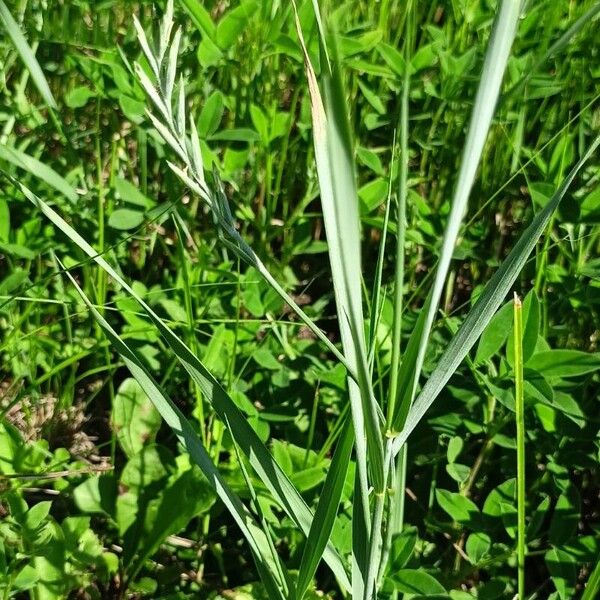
(97, 500)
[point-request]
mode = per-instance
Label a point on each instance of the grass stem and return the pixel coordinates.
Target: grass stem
(519, 416)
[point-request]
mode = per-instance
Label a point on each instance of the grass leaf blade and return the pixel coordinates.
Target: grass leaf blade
(27, 56)
(192, 443)
(496, 60)
(486, 306)
(260, 458)
(326, 512)
(38, 169)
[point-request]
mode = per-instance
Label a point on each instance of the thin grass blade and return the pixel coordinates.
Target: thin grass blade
(592, 587)
(377, 301)
(394, 389)
(283, 578)
(247, 439)
(339, 199)
(38, 169)
(504, 32)
(486, 306)
(322, 525)
(27, 55)
(192, 443)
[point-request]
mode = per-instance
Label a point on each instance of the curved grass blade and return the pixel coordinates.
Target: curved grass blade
(377, 302)
(496, 59)
(258, 455)
(394, 389)
(360, 537)
(326, 512)
(27, 56)
(266, 562)
(282, 574)
(486, 306)
(38, 169)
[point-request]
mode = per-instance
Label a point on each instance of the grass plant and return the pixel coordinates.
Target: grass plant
(231, 382)
(520, 422)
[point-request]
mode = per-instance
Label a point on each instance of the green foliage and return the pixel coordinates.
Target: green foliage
(313, 299)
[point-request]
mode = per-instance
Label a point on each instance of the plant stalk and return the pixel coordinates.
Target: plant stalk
(520, 422)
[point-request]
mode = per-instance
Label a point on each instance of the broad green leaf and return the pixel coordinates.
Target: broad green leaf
(505, 493)
(259, 120)
(232, 24)
(132, 109)
(590, 207)
(144, 586)
(403, 545)
(372, 98)
(97, 495)
(455, 445)
(477, 546)
(26, 578)
(134, 418)
(495, 334)
(392, 57)
(459, 507)
(211, 115)
(12, 282)
(591, 269)
(36, 514)
(460, 473)
(184, 496)
(565, 518)
(50, 571)
(370, 159)
(143, 476)
(510, 518)
(424, 58)
(563, 570)
(569, 407)
(200, 17)
(373, 194)
(131, 194)
(78, 97)
(125, 219)
(209, 54)
(537, 518)
(417, 582)
(564, 363)
(235, 135)
(18, 251)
